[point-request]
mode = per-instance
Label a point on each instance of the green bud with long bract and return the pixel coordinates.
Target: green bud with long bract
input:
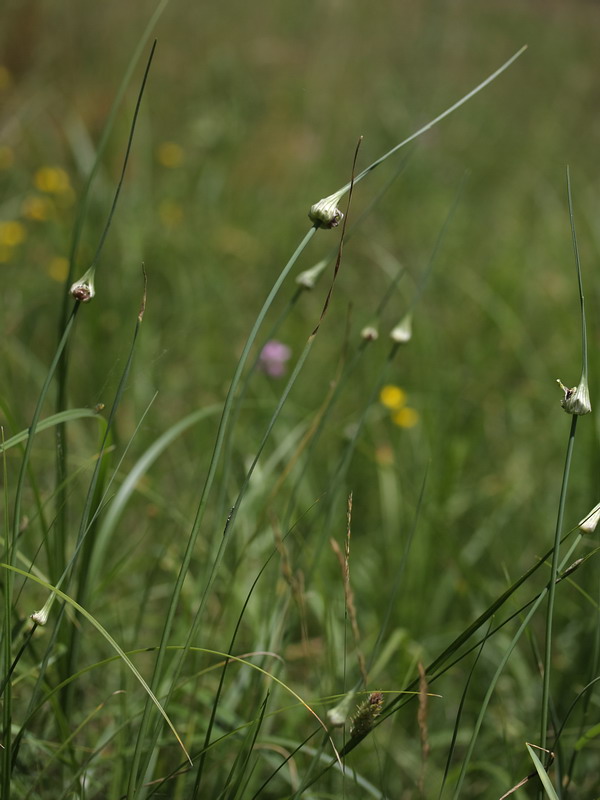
(337, 716)
(308, 277)
(590, 522)
(576, 400)
(402, 333)
(83, 289)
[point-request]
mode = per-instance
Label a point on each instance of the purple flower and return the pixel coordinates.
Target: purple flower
(273, 358)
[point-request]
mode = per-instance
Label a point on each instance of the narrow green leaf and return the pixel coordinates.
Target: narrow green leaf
(103, 632)
(49, 422)
(543, 775)
(587, 737)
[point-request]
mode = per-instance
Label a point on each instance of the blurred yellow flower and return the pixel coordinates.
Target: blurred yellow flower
(7, 157)
(171, 213)
(58, 268)
(36, 207)
(52, 180)
(392, 397)
(5, 78)
(12, 233)
(406, 417)
(170, 154)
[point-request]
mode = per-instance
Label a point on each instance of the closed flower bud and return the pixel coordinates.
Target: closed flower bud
(589, 523)
(337, 716)
(308, 278)
(325, 213)
(369, 333)
(40, 617)
(402, 333)
(577, 399)
(83, 289)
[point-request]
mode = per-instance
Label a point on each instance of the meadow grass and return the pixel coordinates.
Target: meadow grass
(354, 571)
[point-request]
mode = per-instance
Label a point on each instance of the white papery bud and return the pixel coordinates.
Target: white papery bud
(577, 399)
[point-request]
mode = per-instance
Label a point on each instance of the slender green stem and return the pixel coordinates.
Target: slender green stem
(58, 554)
(552, 589)
(584, 344)
(139, 763)
(16, 522)
(6, 654)
(35, 419)
(435, 121)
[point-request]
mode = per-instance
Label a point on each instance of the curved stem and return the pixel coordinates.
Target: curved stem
(552, 587)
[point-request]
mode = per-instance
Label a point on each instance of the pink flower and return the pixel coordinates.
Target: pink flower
(273, 358)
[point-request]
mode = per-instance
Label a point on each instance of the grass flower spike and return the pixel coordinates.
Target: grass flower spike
(83, 289)
(366, 714)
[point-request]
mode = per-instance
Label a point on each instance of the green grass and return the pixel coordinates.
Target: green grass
(179, 553)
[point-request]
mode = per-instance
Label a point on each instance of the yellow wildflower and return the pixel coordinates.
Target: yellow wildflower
(392, 397)
(52, 180)
(170, 154)
(406, 417)
(36, 207)
(12, 233)
(58, 268)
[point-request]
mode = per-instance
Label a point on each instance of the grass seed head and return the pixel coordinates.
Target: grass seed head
(366, 714)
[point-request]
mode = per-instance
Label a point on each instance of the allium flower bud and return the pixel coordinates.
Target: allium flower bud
(308, 278)
(402, 333)
(325, 213)
(369, 333)
(41, 617)
(83, 289)
(589, 523)
(577, 399)
(338, 715)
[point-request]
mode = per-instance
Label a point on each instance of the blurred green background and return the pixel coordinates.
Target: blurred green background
(251, 114)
